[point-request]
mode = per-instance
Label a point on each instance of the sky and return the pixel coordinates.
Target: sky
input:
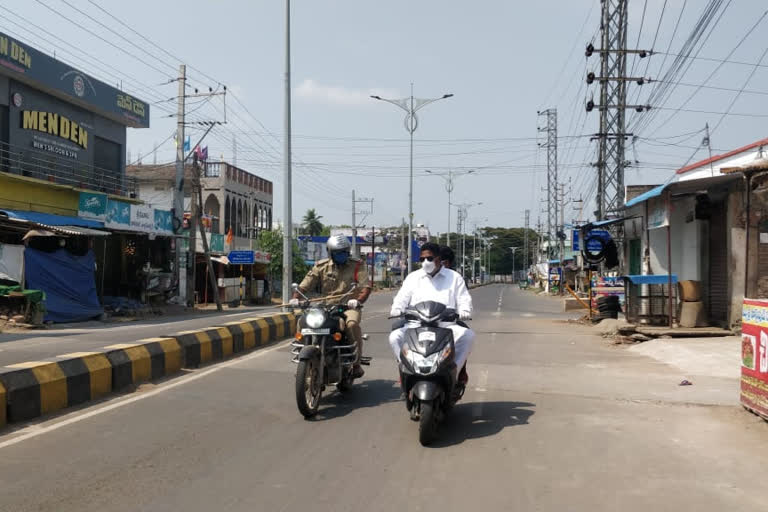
(503, 60)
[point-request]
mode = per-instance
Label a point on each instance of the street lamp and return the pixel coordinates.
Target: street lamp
(449, 177)
(513, 249)
(411, 105)
(462, 208)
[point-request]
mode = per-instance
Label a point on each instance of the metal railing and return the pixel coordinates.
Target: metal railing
(44, 165)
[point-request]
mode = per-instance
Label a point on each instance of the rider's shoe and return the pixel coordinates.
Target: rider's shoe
(357, 371)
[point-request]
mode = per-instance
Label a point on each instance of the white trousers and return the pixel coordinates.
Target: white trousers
(463, 340)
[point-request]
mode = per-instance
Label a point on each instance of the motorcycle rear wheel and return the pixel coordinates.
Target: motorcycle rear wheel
(308, 389)
(428, 422)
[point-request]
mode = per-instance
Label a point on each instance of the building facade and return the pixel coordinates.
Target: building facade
(707, 224)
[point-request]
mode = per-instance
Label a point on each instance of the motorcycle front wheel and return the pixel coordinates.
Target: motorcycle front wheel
(308, 387)
(428, 422)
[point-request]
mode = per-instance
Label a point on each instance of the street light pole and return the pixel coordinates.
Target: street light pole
(513, 249)
(411, 105)
(449, 180)
(287, 193)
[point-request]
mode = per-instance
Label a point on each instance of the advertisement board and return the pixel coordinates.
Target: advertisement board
(92, 206)
(134, 217)
(754, 356)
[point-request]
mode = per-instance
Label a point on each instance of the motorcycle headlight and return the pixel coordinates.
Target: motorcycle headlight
(315, 318)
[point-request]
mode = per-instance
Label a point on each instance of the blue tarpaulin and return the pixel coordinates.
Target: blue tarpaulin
(68, 282)
(49, 219)
(659, 279)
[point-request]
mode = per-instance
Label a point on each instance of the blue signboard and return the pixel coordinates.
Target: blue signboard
(594, 245)
(240, 257)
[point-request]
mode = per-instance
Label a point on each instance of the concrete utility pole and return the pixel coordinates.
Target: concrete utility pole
(287, 185)
(178, 189)
(613, 81)
(526, 249)
(354, 226)
(411, 105)
(551, 145)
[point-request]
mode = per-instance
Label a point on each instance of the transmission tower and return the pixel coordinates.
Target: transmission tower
(613, 104)
(551, 145)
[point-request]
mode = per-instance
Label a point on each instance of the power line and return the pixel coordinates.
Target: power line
(94, 34)
(738, 94)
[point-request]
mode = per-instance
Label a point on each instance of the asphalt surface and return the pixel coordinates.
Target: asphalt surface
(554, 419)
(36, 344)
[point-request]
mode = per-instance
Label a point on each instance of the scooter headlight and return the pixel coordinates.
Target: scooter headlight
(421, 363)
(315, 318)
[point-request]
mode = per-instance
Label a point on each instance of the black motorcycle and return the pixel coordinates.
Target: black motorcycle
(323, 353)
(428, 370)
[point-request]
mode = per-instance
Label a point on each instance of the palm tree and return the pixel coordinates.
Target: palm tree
(312, 223)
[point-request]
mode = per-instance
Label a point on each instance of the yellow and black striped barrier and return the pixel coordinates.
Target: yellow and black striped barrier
(35, 388)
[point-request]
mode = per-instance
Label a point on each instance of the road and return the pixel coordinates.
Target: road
(44, 343)
(554, 419)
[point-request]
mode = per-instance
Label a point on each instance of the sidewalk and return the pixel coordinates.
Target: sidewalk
(712, 357)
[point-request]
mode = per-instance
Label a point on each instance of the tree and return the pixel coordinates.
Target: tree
(272, 242)
(312, 224)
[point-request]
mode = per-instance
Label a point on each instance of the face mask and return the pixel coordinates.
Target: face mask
(428, 266)
(340, 258)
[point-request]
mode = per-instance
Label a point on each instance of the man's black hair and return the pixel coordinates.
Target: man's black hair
(431, 247)
(447, 254)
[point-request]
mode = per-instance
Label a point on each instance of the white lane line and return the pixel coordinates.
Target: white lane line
(501, 300)
(37, 430)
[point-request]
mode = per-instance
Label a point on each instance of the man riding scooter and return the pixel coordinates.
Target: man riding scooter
(436, 283)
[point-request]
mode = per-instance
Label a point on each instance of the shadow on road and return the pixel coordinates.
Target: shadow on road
(481, 419)
(368, 393)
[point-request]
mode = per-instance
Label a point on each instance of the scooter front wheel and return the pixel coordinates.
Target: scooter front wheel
(428, 422)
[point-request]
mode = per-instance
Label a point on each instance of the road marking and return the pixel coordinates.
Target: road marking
(528, 315)
(37, 430)
(501, 299)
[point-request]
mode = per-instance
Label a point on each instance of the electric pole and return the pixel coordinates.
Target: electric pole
(613, 104)
(354, 218)
(178, 189)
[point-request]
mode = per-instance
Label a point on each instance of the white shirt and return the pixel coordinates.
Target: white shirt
(446, 287)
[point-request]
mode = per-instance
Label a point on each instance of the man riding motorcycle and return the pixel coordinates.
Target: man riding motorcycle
(335, 275)
(436, 283)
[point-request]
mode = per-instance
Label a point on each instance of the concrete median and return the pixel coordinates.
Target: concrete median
(35, 388)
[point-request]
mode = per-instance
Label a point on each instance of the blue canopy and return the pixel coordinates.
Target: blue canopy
(654, 192)
(50, 219)
(657, 279)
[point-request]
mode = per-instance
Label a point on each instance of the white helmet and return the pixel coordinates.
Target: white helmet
(338, 243)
